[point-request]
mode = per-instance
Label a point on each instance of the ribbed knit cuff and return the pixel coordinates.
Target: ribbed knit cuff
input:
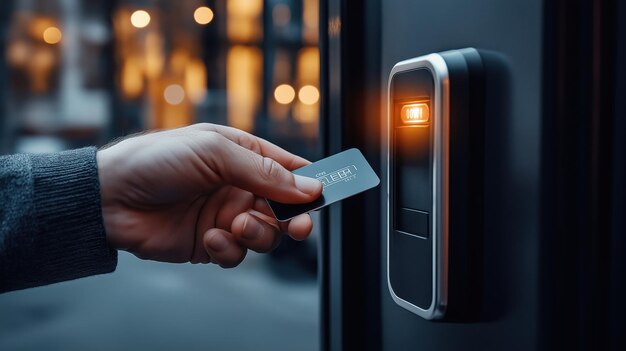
(71, 239)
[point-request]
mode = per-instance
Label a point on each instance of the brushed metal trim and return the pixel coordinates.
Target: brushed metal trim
(439, 226)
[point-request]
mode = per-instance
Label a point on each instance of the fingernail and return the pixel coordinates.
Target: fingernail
(217, 242)
(307, 185)
(251, 228)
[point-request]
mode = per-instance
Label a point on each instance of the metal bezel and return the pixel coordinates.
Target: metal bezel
(439, 226)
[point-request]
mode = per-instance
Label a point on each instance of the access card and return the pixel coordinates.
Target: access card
(343, 175)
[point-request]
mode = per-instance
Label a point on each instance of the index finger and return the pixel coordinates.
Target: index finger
(256, 144)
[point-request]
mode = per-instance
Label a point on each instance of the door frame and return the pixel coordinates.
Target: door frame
(583, 246)
(350, 117)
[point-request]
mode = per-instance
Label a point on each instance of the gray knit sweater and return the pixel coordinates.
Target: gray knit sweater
(50, 219)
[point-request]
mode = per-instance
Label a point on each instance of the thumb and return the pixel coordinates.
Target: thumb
(263, 176)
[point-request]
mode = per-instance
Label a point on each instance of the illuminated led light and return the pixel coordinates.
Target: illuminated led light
(284, 94)
(140, 19)
(308, 95)
(203, 15)
(418, 113)
(174, 94)
(52, 35)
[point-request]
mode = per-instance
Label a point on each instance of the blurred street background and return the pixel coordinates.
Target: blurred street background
(157, 306)
(76, 73)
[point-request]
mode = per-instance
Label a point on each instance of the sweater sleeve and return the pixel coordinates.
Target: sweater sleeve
(51, 226)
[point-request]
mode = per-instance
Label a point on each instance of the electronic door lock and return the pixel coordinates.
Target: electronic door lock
(435, 184)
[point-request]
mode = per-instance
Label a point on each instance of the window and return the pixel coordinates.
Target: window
(83, 72)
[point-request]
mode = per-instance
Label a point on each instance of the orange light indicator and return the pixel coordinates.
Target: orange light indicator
(418, 113)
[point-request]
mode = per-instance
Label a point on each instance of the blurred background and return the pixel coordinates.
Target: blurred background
(75, 73)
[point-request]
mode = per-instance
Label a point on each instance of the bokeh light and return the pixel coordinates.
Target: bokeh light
(52, 35)
(284, 94)
(140, 19)
(174, 94)
(308, 95)
(203, 15)
(18, 53)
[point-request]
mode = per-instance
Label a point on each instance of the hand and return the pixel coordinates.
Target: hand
(197, 194)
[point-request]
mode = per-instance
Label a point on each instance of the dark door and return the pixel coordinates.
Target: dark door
(554, 243)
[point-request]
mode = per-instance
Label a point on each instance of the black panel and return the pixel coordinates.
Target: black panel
(413, 84)
(410, 268)
(413, 185)
(410, 258)
(413, 222)
(412, 149)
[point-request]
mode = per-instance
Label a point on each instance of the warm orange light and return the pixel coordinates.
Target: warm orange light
(203, 15)
(140, 19)
(308, 95)
(418, 113)
(131, 80)
(308, 66)
(244, 69)
(195, 80)
(18, 53)
(244, 20)
(52, 35)
(284, 94)
(41, 64)
(174, 94)
(153, 58)
(306, 109)
(310, 20)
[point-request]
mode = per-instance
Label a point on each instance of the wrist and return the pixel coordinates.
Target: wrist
(107, 198)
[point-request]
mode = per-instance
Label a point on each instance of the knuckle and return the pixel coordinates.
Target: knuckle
(213, 146)
(213, 139)
(270, 168)
(267, 241)
(203, 126)
(249, 142)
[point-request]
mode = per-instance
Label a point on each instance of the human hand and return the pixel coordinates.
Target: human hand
(197, 194)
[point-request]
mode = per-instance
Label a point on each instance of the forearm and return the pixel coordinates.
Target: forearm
(50, 220)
